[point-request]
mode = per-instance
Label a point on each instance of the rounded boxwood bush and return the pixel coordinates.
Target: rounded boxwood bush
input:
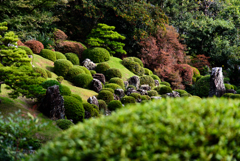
(132, 86)
(64, 124)
(93, 72)
(77, 97)
(114, 104)
(96, 54)
(152, 93)
(228, 86)
(85, 70)
(74, 71)
(60, 55)
(165, 83)
(66, 91)
(113, 86)
(49, 83)
(181, 91)
(49, 74)
(90, 108)
(138, 61)
(147, 80)
(148, 71)
(72, 58)
(102, 106)
(102, 67)
(48, 54)
(128, 99)
(105, 95)
(62, 66)
(41, 71)
(145, 97)
(118, 81)
(133, 66)
(107, 89)
(155, 77)
(27, 49)
(135, 95)
(202, 86)
(164, 90)
(83, 80)
(211, 123)
(113, 72)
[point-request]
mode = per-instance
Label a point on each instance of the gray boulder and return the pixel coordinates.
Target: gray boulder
(120, 93)
(145, 87)
(142, 92)
(135, 81)
(96, 85)
(174, 94)
(93, 100)
(126, 84)
(89, 64)
(100, 77)
(156, 83)
(217, 87)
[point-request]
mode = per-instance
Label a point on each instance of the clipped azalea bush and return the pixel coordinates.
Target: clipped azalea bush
(155, 77)
(40, 71)
(49, 74)
(113, 86)
(114, 104)
(96, 54)
(107, 89)
(128, 99)
(60, 55)
(62, 66)
(181, 92)
(165, 83)
(136, 95)
(113, 72)
(145, 98)
(27, 49)
(102, 105)
(64, 124)
(134, 66)
(74, 71)
(202, 86)
(102, 67)
(105, 95)
(152, 93)
(83, 80)
(164, 90)
(48, 54)
(72, 58)
(148, 71)
(65, 91)
(228, 86)
(90, 108)
(118, 81)
(34, 45)
(93, 72)
(147, 80)
(85, 70)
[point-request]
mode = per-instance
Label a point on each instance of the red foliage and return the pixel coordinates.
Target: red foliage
(59, 35)
(34, 45)
(186, 73)
(200, 62)
(19, 43)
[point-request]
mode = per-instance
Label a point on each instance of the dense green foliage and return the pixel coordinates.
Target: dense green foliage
(113, 86)
(77, 97)
(118, 81)
(128, 99)
(134, 64)
(65, 91)
(49, 74)
(102, 67)
(96, 54)
(62, 66)
(152, 93)
(83, 80)
(107, 89)
(114, 104)
(147, 80)
(41, 71)
(105, 95)
(64, 124)
(90, 108)
(27, 49)
(74, 71)
(135, 95)
(60, 55)
(72, 58)
(202, 86)
(48, 54)
(113, 72)
(164, 90)
(85, 70)
(155, 77)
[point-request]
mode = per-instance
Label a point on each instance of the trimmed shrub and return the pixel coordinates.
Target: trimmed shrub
(227, 95)
(196, 72)
(62, 66)
(135, 95)
(235, 96)
(138, 61)
(72, 58)
(64, 124)
(77, 97)
(147, 80)
(83, 80)
(202, 86)
(105, 95)
(49, 83)
(133, 66)
(102, 67)
(113, 72)
(145, 97)
(49, 74)
(90, 108)
(195, 97)
(128, 99)
(148, 71)
(60, 55)
(73, 109)
(85, 70)
(181, 91)
(114, 104)
(113, 86)
(155, 77)
(93, 72)
(60, 79)
(152, 93)
(165, 83)
(186, 95)
(108, 89)
(34, 45)
(27, 49)
(41, 71)
(118, 81)
(228, 86)
(102, 106)
(132, 86)
(65, 91)
(96, 54)
(48, 54)
(74, 71)
(164, 90)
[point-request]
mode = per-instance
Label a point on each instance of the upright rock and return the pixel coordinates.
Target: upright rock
(217, 87)
(100, 77)
(53, 104)
(126, 84)
(93, 100)
(120, 93)
(96, 85)
(135, 81)
(90, 65)
(156, 83)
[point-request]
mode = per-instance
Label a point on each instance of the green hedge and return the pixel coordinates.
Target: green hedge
(96, 54)
(72, 58)
(64, 124)
(83, 80)
(48, 54)
(27, 49)
(114, 104)
(93, 72)
(181, 91)
(77, 97)
(135, 95)
(113, 72)
(102, 67)
(202, 86)
(62, 66)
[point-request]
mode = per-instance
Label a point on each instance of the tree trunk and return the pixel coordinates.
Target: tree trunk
(217, 87)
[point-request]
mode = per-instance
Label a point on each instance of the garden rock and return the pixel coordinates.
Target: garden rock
(135, 81)
(126, 84)
(100, 77)
(131, 90)
(231, 91)
(96, 85)
(116, 97)
(142, 92)
(120, 93)
(174, 94)
(156, 83)
(89, 64)
(156, 97)
(52, 104)
(93, 100)
(87, 115)
(217, 87)
(145, 87)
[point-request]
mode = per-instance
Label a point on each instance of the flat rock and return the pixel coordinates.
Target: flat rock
(100, 77)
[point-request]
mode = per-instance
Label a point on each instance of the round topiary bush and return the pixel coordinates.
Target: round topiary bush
(65, 91)
(90, 108)
(93, 72)
(145, 97)
(64, 124)
(102, 106)
(196, 72)
(133, 66)
(137, 60)
(152, 93)
(77, 97)
(83, 80)
(235, 96)
(73, 109)
(181, 91)
(41, 71)
(107, 89)
(155, 77)
(74, 71)
(147, 80)
(72, 58)
(102, 67)
(114, 104)
(164, 90)
(49, 83)
(61, 67)
(27, 49)
(96, 54)
(60, 55)
(228, 86)
(128, 99)
(105, 95)
(148, 71)
(48, 54)
(165, 83)
(135, 95)
(113, 86)
(132, 86)
(34, 45)
(49, 74)
(113, 72)
(85, 70)
(202, 86)
(118, 81)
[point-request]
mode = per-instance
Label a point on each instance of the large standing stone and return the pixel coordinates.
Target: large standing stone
(93, 100)
(100, 77)
(96, 85)
(89, 64)
(53, 104)
(217, 87)
(120, 93)
(134, 81)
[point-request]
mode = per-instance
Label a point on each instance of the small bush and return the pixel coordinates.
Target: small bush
(238, 91)
(77, 97)
(114, 104)
(165, 83)
(60, 55)
(49, 74)
(90, 108)
(138, 61)
(113, 86)
(128, 99)
(152, 93)
(48, 54)
(62, 66)
(145, 97)
(72, 58)
(108, 89)
(49, 83)
(118, 81)
(93, 72)
(85, 70)
(228, 86)
(83, 80)
(105, 95)
(113, 72)
(155, 77)
(65, 91)
(132, 86)
(135, 95)
(102, 68)
(34, 45)
(147, 80)
(133, 66)
(96, 54)
(186, 95)
(27, 49)
(202, 86)
(74, 71)
(41, 71)
(181, 92)
(148, 71)
(60, 79)
(73, 109)
(102, 105)
(164, 90)
(196, 72)
(64, 124)
(227, 95)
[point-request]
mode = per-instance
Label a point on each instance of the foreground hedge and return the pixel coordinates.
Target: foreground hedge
(171, 129)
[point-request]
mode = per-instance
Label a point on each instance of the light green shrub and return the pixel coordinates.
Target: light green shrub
(102, 67)
(62, 66)
(96, 54)
(48, 54)
(60, 55)
(72, 58)
(83, 80)
(114, 104)
(113, 72)
(64, 124)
